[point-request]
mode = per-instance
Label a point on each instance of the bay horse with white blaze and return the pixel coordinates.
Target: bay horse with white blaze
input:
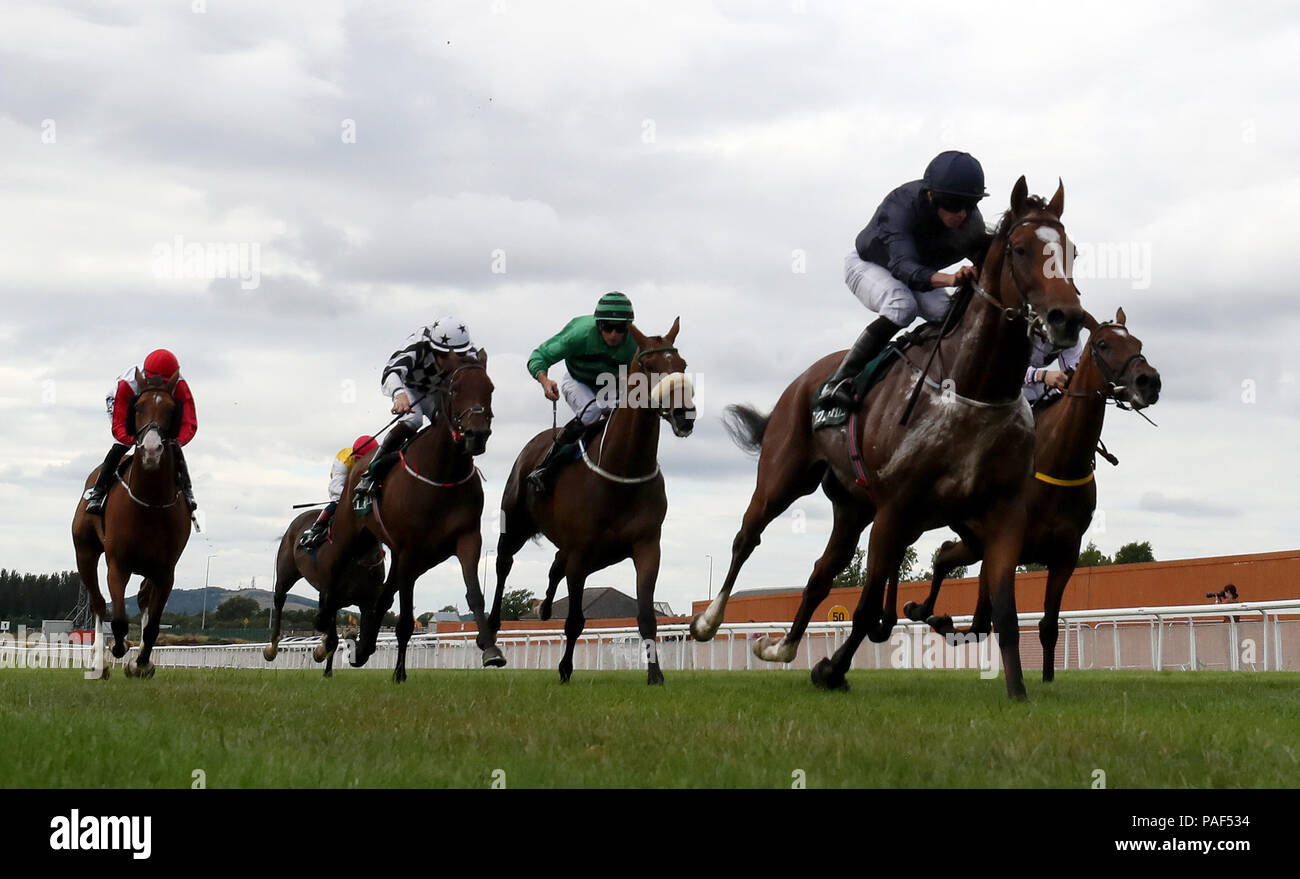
(961, 459)
(359, 581)
(1062, 495)
(143, 530)
(430, 509)
(610, 509)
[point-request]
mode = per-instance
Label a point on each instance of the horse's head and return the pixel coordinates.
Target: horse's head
(467, 402)
(671, 389)
(157, 417)
(1030, 257)
(1118, 356)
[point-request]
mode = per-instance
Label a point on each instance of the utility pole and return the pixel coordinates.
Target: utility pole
(206, 572)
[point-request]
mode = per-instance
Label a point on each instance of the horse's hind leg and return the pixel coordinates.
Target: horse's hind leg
(850, 521)
(645, 556)
(286, 574)
(553, 578)
(778, 487)
(89, 550)
(951, 554)
(884, 555)
(117, 579)
(516, 529)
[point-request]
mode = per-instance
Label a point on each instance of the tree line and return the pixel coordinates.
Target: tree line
(26, 599)
(1089, 557)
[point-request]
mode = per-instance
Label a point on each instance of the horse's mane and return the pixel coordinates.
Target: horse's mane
(1033, 203)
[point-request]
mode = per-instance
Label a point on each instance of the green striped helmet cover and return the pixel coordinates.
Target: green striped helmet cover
(614, 306)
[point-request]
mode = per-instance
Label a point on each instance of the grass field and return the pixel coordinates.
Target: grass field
(608, 729)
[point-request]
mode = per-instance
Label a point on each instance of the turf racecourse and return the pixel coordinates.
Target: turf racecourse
(608, 729)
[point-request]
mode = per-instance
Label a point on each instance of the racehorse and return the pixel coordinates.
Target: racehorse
(360, 582)
(612, 508)
(430, 509)
(959, 458)
(143, 530)
(1063, 494)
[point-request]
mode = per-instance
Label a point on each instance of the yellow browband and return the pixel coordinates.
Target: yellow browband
(1052, 480)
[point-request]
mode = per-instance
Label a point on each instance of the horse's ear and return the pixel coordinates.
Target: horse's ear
(672, 334)
(1019, 195)
(1089, 322)
(638, 337)
(482, 356)
(173, 382)
(1057, 204)
(139, 378)
(1119, 317)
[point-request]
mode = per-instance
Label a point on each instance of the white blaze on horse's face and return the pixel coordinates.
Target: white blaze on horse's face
(675, 394)
(151, 449)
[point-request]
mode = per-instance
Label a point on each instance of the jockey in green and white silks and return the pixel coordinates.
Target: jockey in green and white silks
(596, 350)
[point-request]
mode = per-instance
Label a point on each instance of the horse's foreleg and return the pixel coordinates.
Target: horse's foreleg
(850, 521)
(773, 495)
(284, 579)
(1049, 626)
(405, 625)
(998, 581)
(508, 544)
(372, 617)
(645, 556)
(150, 621)
(468, 548)
(117, 579)
(575, 621)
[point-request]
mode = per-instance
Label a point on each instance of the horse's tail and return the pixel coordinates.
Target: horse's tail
(746, 426)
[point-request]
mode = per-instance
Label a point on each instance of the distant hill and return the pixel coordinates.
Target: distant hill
(188, 601)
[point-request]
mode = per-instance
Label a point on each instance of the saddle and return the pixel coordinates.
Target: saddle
(871, 375)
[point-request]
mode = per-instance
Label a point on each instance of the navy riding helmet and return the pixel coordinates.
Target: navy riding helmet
(955, 173)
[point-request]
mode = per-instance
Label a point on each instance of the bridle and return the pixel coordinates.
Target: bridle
(1109, 374)
(456, 420)
(1035, 322)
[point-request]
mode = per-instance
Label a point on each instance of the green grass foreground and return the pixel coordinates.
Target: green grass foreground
(608, 729)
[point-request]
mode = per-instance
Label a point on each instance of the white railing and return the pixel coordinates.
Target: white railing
(1253, 637)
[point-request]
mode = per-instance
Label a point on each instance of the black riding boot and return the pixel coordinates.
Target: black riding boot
(183, 477)
(839, 387)
(385, 457)
(315, 535)
(541, 478)
(98, 493)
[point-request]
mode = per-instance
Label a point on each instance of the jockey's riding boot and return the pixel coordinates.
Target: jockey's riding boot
(97, 494)
(385, 457)
(315, 535)
(183, 477)
(838, 390)
(541, 478)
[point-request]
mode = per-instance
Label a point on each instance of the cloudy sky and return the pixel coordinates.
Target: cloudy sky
(388, 160)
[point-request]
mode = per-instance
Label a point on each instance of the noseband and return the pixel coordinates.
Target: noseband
(1109, 374)
(1026, 310)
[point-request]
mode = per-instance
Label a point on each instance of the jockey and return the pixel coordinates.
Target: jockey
(1042, 382)
(343, 461)
(919, 226)
(159, 364)
(411, 379)
(591, 346)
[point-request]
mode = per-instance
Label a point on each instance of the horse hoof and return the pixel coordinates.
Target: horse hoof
(544, 612)
(329, 673)
(943, 625)
(147, 671)
(565, 674)
(131, 670)
(824, 677)
(655, 677)
(772, 649)
(399, 676)
(700, 630)
(119, 649)
(493, 658)
(909, 610)
(269, 653)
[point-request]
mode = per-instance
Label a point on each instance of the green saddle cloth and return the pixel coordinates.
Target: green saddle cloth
(869, 377)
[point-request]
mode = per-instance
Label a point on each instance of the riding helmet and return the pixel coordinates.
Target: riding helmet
(448, 334)
(955, 173)
(161, 362)
(614, 307)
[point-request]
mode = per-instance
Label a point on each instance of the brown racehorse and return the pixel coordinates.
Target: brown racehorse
(1062, 496)
(430, 510)
(360, 582)
(960, 460)
(610, 508)
(143, 530)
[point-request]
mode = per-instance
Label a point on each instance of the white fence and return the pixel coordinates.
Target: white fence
(1249, 636)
